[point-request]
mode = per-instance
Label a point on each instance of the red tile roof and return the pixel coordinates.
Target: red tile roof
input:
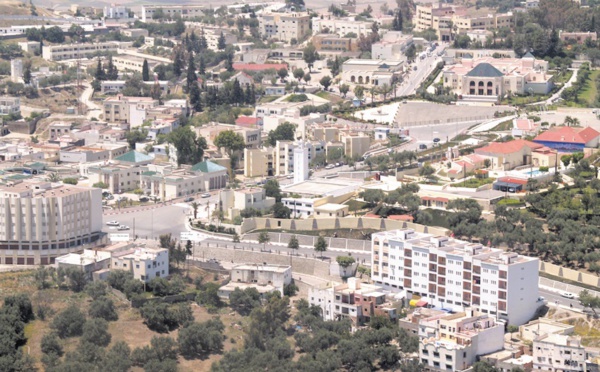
(507, 147)
(568, 135)
(246, 120)
(518, 181)
(258, 67)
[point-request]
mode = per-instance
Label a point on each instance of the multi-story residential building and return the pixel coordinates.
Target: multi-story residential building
(284, 26)
(144, 263)
(116, 86)
(559, 353)
(453, 342)
(150, 12)
(252, 138)
(83, 50)
(284, 155)
(341, 27)
(10, 105)
(353, 300)
(355, 144)
(213, 34)
(450, 20)
(258, 162)
(130, 110)
(334, 43)
(97, 152)
(370, 72)
(125, 62)
(40, 221)
(578, 37)
(234, 201)
(392, 46)
(166, 183)
(452, 273)
(116, 12)
(265, 278)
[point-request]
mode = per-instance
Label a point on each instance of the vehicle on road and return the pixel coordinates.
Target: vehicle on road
(436, 140)
(422, 146)
(205, 195)
(113, 223)
(290, 176)
(568, 295)
(144, 199)
(330, 166)
(123, 227)
(188, 199)
(541, 299)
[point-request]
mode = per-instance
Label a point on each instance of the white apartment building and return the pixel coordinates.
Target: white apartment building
(116, 86)
(392, 46)
(453, 342)
(558, 353)
(342, 26)
(353, 300)
(16, 70)
(265, 278)
(453, 274)
(125, 62)
(83, 50)
(284, 26)
(284, 155)
(212, 36)
(170, 11)
(301, 163)
(144, 263)
(116, 12)
(10, 105)
(40, 221)
(370, 72)
(129, 110)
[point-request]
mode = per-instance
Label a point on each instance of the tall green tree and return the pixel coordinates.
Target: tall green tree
(191, 77)
(310, 55)
(145, 71)
(272, 189)
(221, 43)
(283, 132)
(321, 245)
(190, 147)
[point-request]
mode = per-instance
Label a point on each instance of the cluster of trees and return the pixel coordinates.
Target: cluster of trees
(283, 132)
(231, 93)
(16, 312)
(52, 34)
(322, 345)
(560, 226)
(383, 163)
(190, 147)
(402, 200)
(162, 317)
(572, 93)
(163, 29)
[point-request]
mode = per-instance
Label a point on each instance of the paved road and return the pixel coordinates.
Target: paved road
(151, 223)
(424, 68)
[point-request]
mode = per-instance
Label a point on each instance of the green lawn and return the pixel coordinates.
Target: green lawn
(590, 90)
(502, 127)
(474, 182)
(560, 78)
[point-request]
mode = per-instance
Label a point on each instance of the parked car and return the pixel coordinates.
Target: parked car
(541, 299)
(113, 223)
(436, 140)
(330, 166)
(422, 146)
(188, 199)
(568, 295)
(205, 195)
(144, 199)
(123, 227)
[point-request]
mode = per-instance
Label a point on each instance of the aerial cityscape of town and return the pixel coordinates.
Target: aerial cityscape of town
(391, 185)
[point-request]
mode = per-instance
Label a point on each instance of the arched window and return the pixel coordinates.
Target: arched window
(352, 79)
(360, 80)
(472, 84)
(367, 80)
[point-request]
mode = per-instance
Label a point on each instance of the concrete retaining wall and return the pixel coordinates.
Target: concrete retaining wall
(229, 252)
(570, 274)
(310, 241)
(259, 223)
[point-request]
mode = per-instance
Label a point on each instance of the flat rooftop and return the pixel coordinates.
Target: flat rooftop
(323, 186)
(331, 207)
(260, 267)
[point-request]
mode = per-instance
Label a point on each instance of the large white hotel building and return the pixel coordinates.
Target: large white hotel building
(40, 221)
(454, 274)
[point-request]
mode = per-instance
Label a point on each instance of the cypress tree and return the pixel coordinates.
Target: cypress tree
(145, 71)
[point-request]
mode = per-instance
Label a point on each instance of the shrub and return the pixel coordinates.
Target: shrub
(69, 322)
(70, 181)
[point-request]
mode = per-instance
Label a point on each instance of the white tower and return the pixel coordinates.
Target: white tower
(300, 163)
(16, 70)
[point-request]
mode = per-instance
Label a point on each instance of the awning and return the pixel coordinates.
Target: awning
(414, 302)
(421, 303)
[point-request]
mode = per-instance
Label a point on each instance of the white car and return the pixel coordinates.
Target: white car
(568, 295)
(205, 195)
(123, 227)
(113, 223)
(330, 166)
